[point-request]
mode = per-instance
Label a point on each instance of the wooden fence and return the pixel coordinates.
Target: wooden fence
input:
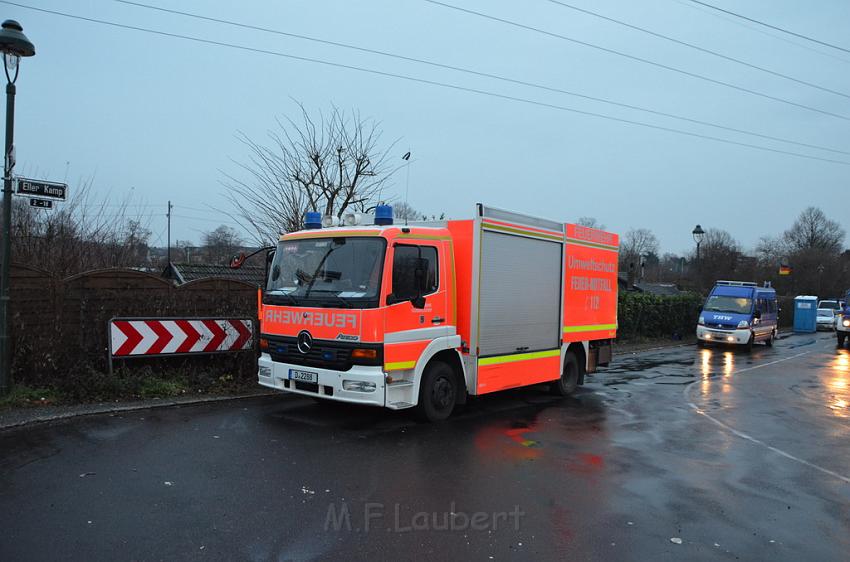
(61, 324)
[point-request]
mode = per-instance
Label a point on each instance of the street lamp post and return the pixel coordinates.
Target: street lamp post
(14, 45)
(699, 234)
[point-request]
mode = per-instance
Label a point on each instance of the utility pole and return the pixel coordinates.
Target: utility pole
(168, 214)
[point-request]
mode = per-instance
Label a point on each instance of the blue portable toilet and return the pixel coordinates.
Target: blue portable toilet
(805, 314)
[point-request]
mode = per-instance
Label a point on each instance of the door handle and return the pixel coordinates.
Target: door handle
(437, 320)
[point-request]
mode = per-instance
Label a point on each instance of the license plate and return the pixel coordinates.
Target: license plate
(303, 376)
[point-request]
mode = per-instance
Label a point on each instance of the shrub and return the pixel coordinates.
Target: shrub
(643, 315)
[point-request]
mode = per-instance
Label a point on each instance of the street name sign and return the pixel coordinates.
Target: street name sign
(39, 188)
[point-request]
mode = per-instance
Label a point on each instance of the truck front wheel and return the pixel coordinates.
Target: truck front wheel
(841, 337)
(437, 392)
(568, 382)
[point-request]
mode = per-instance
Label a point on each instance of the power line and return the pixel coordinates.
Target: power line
(766, 32)
(429, 82)
(636, 58)
(759, 22)
(211, 220)
(692, 46)
(481, 74)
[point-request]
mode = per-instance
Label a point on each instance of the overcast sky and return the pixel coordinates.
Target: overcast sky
(156, 117)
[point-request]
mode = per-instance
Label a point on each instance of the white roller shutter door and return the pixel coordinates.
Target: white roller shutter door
(520, 298)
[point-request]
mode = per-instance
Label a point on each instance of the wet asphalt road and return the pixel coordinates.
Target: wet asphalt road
(741, 456)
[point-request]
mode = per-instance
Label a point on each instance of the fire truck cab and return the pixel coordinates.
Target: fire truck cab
(426, 314)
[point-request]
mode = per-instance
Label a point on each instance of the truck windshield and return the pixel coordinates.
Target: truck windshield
(340, 272)
(736, 305)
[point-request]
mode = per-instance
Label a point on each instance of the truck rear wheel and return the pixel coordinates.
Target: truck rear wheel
(437, 392)
(568, 382)
(770, 339)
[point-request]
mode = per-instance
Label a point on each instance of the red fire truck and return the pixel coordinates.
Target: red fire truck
(426, 314)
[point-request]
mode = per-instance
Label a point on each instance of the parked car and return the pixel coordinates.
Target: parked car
(842, 321)
(826, 319)
(834, 305)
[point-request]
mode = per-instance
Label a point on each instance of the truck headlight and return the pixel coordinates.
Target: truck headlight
(701, 321)
(358, 386)
(743, 324)
(846, 322)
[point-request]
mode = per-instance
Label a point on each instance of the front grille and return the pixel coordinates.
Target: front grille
(325, 354)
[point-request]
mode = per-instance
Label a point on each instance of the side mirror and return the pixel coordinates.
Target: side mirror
(418, 301)
(269, 259)
(237, 261)
(757, 314)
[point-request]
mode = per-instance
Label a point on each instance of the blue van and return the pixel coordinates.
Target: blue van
(737, 312)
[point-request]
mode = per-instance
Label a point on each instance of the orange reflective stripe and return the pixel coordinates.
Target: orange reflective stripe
(399, 356)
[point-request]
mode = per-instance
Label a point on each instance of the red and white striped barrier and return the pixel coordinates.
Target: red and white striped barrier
(132, 337)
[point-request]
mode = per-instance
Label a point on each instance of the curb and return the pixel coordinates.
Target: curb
(82, 410)
(657, 347)
(780, 335)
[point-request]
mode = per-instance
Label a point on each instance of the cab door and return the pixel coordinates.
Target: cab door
(416, 303)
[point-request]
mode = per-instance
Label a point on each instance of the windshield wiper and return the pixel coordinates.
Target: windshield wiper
(289, 299)
(344, 301)
(340, 242)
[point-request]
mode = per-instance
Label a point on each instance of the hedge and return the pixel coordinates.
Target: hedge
(643, 315)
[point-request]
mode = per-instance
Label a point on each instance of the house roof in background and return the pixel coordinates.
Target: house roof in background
(184, 272)
(661, 289)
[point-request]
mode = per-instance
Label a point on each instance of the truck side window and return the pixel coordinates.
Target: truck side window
(404, 268)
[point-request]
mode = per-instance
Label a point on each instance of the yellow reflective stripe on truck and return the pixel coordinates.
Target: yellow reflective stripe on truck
(399, 365)
(519, 357)
(596, 245)
(591, 328)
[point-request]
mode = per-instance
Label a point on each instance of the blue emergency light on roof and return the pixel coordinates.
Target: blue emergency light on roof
(312, 219)
(383, 214)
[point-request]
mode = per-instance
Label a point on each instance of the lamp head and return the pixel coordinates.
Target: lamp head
(698, 233)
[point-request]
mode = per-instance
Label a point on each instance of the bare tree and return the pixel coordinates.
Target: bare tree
(720, 257)
(221, 244)
(635, 243)
(405, 211)
(771, 251)
(671, 267)
(324, 164)
(83, 233)
(590, 222)
(814, 231)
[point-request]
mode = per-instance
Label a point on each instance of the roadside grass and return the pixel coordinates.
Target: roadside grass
(22, 396)
(152, 387)
(90, 385)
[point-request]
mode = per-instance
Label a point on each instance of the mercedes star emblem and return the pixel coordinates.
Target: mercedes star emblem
(305, 341)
